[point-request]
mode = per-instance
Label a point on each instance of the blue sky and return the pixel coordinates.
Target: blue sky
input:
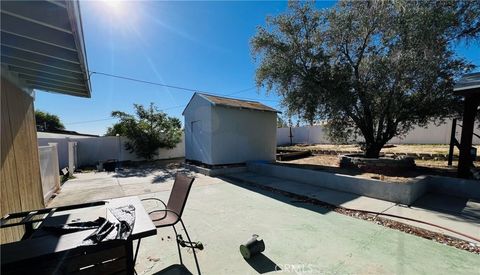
(198, 45)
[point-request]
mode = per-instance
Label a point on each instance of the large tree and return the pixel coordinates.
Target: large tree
(119, 129)
(371, 68)
(147, 131)
(281, 123)
(48, 122)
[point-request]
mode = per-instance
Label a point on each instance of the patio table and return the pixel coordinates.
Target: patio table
(46, 253)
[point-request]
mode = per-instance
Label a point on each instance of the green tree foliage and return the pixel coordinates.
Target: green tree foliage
(370, 68)
(147, 131)
(117, 129)
(48, 122)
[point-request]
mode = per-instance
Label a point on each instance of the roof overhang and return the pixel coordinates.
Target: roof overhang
(42, 43)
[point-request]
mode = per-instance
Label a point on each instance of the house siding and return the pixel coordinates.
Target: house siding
(21, 187)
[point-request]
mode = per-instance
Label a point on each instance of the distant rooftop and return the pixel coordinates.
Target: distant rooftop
(237, 103)
(63, 132)
(468, 82)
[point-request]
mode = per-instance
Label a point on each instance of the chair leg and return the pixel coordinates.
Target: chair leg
(178, 245)
(193, 249)
(136, 251)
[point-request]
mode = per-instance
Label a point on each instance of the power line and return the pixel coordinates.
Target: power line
(167, 86)
(178, 87)
(89, 121)
(242, 91)
(185, 105)
(144, 81)
(173, 107)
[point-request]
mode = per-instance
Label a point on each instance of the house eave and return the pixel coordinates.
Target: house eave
(42, 43)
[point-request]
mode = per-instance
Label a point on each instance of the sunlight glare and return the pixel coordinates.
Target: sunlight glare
(118, 14)
(116, 6)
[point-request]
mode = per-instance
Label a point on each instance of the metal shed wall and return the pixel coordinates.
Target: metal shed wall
(242, 135)
(198, 130)
(216, 134)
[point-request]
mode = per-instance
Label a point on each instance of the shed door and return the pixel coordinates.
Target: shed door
(196, 142)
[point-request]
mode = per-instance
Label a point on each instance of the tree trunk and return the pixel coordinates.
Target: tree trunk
(372, 150)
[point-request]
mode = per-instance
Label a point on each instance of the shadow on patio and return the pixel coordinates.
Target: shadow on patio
(284, 197)
(156, 171)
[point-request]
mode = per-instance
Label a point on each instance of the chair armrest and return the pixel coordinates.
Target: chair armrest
(155, 199)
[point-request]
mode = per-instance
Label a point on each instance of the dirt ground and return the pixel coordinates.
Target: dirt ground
(330, 163)
(390, 148)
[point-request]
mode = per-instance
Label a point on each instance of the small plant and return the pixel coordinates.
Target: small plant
(147, 131)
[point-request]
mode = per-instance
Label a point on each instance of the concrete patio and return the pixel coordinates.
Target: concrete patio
(455, 213)
(300, 238)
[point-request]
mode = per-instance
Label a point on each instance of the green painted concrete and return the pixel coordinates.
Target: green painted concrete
(460, 214)
(299, 238)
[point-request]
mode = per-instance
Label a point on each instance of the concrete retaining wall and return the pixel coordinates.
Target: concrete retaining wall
(405, 193)
(454, 187)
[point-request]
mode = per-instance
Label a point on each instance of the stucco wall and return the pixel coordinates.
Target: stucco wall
(91, 150)
(431, 134)
(62, 144)
(305, 134)
(241, 135)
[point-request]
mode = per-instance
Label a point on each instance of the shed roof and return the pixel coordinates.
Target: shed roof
(42, 43)
(236, 103)
(468, 84)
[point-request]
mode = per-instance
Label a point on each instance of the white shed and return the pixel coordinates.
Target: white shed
(221, 131)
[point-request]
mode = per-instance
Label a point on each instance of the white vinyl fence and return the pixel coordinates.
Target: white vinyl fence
(49, 170)
(431, 134)
(91, 150)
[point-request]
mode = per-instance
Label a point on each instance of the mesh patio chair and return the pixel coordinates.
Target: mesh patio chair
(172, 214)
